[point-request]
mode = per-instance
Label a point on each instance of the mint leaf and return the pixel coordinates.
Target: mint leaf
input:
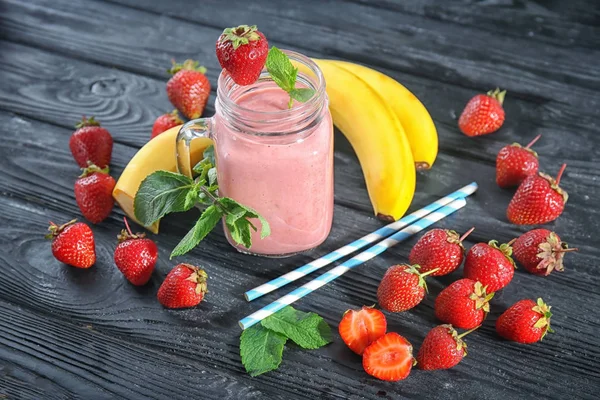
(261, 350)
(161, 193)
(232, 206)
(301, 95)
(209, 154)
(207, 221)
(212, 176)
(307, 330)
(284, 74)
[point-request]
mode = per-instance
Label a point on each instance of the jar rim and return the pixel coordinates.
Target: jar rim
(226, 85)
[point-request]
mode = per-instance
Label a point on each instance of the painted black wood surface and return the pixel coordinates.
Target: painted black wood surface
(66, 333)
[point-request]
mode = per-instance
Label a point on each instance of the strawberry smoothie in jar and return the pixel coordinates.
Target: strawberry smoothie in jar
(272, 158)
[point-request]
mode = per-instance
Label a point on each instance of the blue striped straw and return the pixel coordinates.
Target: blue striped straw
(357, 244)
(360, 258)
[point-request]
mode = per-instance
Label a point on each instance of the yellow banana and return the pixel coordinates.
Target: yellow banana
(157, 154)
(414, 117)
(377, 138)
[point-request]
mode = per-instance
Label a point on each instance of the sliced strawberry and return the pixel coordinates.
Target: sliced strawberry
(389, 358)
(360, 328)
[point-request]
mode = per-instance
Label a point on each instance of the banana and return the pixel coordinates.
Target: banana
(414, 117)
(157, 154)
(377, 138)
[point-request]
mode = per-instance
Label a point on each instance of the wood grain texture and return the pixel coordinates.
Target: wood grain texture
(65, 332)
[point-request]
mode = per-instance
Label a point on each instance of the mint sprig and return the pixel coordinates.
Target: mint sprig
(164, 192)
(284, 74)
(261, 345)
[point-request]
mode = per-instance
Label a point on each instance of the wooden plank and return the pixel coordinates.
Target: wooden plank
(208, 334)
(428, 48)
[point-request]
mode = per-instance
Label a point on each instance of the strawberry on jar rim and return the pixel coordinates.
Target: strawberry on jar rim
(242, 51)
(189, 88)
(91, 143)
(93, 193)
(538, 200)
(514, 163)
(483, 114)
(439, 249)
(73, 244)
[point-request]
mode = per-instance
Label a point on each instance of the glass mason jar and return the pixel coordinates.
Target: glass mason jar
(274, 159)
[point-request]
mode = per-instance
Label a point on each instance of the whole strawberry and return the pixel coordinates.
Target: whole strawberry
(359, 328)
(73, 244)
(442, 348)
(93, 193)
(439, 249)
(164, 122)
(188, 89)
(540, 251)
(91, 143)
(483, 114)
(242, 51)
(490, 264)
(402, 287)
(526, 321)
(183, 287)
(514, 163)
(538, 200)
(463, 304)
(135, 256)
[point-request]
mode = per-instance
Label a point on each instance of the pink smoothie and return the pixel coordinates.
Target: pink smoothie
(288, 179)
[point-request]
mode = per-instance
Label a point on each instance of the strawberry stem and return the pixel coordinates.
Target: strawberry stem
(467, 332)
(429, 272)
(467, 233)
(566, 250)
(127, 226)
(535, 139)
(511, 242)
(560, 172)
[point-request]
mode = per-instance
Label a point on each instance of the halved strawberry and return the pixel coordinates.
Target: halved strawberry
(389, 358)
(360, 328)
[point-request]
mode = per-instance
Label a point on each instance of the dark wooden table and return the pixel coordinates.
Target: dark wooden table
(68, 333)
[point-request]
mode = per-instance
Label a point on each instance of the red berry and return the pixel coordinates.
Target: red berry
(73, 244)
(483, 114)
(242, 51)
(401, 288)
(135, 256)
(442, 348)
(188, 89)
(538, 200)
(439, 249)
(389, 358)
(540, 251)
(515, 163)
(91, 143)
(183, 287)
(463, 304)
(525, 322)
(165, 122)
(360, 328)
(93, 193)
(490, 264)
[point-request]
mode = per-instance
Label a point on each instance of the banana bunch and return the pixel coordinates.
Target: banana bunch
(389, 128)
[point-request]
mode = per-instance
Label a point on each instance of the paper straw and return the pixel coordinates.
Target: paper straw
(341, 269)
(357, 244)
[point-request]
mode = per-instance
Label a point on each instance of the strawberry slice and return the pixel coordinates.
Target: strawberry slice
(360, 328)
(389, 358)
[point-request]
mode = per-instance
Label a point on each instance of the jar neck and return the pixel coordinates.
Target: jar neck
(291, 121)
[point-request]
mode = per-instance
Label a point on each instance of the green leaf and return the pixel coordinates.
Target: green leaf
(281, 69)
(206, 223)
(244, 226)
(209, 154)
(161, 193)
(261, 349)
(232, 205)
(307, 330)
(212, 176)
(302, 95)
